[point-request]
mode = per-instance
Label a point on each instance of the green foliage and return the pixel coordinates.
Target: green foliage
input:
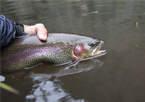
(9, 88)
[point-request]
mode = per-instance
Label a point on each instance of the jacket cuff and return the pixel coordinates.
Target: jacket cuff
(19, 29)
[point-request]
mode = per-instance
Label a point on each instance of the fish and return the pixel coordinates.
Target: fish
(59, 49)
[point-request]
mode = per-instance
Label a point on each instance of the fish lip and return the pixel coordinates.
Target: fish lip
(97, 50)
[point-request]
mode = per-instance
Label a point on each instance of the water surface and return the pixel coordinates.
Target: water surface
(116, 77)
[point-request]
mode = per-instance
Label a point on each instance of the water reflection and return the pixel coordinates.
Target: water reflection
(45, 90)
(49, 91)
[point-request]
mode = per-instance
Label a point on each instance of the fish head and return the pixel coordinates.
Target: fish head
(89, 49)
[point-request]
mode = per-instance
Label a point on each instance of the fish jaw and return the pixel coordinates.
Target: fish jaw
(85, 51)
(97, 50)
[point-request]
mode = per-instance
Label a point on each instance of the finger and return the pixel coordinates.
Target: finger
(41, 32)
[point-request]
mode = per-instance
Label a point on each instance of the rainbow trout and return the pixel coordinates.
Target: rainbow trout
(59, 49)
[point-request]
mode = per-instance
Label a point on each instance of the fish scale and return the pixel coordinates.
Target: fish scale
(29, 51)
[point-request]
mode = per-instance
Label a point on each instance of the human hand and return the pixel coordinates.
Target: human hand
(38, 29)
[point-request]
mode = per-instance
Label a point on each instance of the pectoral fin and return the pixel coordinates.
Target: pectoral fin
(73, 63)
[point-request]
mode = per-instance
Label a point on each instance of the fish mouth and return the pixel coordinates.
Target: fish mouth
(97, 52)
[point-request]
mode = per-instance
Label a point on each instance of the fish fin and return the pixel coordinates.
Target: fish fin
(26, 73)
(73, 63)
(43, 64)
(38, 65)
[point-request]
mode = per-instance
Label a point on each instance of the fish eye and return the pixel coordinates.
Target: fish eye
(94, 44)
(97, 43)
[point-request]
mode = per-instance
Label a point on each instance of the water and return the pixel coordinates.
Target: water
(116, 77)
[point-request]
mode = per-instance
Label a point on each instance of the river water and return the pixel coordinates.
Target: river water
(119, 76)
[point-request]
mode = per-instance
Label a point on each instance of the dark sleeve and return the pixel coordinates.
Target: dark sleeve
(9, 30)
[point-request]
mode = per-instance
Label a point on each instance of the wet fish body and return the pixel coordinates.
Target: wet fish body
(59, 49)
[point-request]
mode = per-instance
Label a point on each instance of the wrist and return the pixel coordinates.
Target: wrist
(25, 26)
(30, 29)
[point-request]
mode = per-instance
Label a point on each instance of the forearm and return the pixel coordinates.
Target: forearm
(9, 30)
